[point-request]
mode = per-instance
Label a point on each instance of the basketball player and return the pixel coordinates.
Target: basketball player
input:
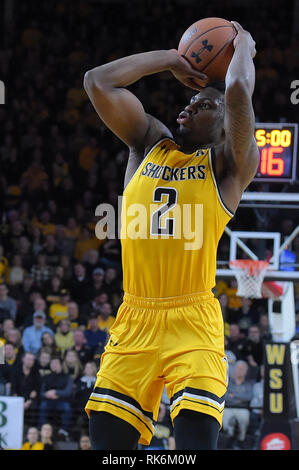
(169, 328)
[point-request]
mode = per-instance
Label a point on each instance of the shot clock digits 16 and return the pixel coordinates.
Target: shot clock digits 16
(277, 143)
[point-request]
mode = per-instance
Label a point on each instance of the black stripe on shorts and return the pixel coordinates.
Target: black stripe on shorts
(199, 392)
(125, 409)
(197, 403)
(121, 396)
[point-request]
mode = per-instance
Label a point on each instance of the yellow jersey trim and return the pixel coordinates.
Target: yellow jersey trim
(146, 155)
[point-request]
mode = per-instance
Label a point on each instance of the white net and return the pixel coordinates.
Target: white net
(250, 275)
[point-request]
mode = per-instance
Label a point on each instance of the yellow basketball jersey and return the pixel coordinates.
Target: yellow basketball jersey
(171, 222)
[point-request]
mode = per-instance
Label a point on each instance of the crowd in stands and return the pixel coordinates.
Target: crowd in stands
(60, 285)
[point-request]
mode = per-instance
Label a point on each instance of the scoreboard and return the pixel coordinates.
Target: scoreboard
(277, 143)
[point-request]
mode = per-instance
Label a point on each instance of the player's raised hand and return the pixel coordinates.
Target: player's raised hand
(186, 74)
(244, 35)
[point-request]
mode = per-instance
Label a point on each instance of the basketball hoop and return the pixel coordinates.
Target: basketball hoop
(250, 275)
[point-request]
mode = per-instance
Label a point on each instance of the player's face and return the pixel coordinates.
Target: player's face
(202, 121)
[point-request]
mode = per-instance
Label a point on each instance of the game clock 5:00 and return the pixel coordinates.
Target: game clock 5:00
(277, 143)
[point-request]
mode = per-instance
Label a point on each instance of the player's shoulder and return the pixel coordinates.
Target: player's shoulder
(156, 132)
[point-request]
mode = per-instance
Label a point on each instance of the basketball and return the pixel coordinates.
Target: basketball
(208, 45)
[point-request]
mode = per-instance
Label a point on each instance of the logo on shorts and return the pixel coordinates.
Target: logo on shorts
(112, 343)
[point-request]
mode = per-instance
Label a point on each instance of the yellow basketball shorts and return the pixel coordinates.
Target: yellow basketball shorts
(175, 342)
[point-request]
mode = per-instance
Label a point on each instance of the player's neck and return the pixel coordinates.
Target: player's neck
(190, 148)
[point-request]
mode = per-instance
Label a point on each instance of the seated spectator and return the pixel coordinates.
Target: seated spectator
(44, 223)
(16, 273)
(83, 387)
(84, 442)
(264, 326)
(39, 305)
(80, 284)
(46, 436)
(14, 337)
(88, 154)
(93, 334)
(51, 251)
(81, 347)
(49, 344)
(64, 337)
(64, 243)
(246, 315)
(23, 296)
(37, 240)
(32, 335)
(71, 364)
(105, 318)
(94, 304)
(8, 324)
(59, 311)
(6, 369)
(52, 290)
(26, 253)
(33, 442)
(254, 348)
(111, 281)
(87, 241)
(236, 412)
(76, 320)
(43, 362)
(236, 341)
(8, 306)
(66, 265)
(11, 355)
(91, 261)
(234, 301)
(16, 231)
(25, 382)
(73, 229)
(97, 282)
(41, 272)
(56, 392)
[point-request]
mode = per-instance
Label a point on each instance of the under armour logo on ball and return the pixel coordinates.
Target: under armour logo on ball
(205, 47)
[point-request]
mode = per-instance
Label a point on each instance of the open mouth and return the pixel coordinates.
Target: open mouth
(183, 117)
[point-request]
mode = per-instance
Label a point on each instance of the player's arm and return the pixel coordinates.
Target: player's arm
(121, 110)
(241, 155)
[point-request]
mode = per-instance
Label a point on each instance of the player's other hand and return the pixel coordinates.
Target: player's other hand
(244, 35)
(183, 71)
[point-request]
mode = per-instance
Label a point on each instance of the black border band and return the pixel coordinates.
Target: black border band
(213, 157)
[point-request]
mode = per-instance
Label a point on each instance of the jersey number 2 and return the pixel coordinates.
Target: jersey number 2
(156, 228)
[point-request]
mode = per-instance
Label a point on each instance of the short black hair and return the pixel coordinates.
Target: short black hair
(220, 86)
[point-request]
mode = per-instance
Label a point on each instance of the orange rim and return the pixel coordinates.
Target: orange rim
(252, 267)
